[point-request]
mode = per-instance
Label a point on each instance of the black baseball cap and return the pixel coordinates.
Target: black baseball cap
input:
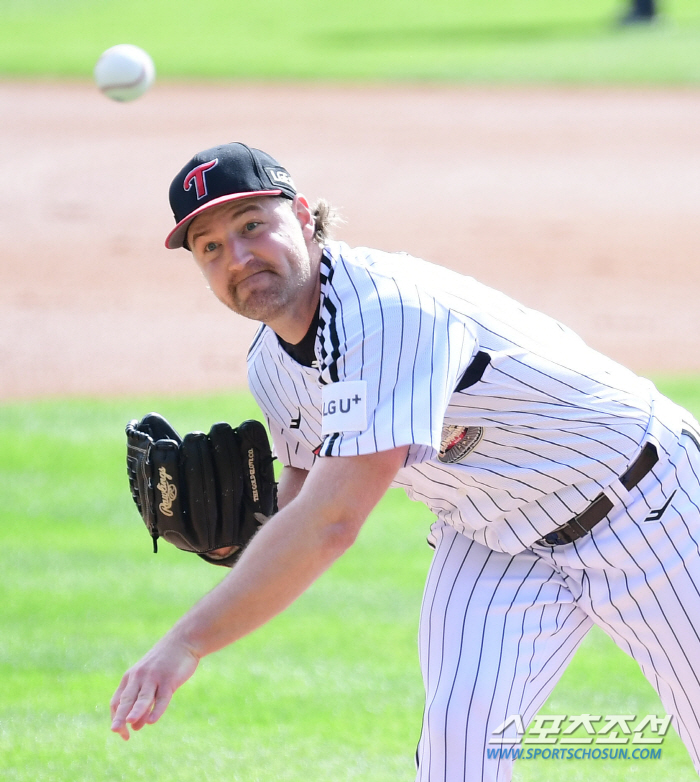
(220, 174)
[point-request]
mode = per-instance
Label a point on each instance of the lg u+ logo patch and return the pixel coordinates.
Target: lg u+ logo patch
(344, 407)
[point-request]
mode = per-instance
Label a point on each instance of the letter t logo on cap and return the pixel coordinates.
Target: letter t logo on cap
(197, 176)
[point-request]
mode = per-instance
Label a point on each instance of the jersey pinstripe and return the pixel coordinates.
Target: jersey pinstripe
(556, 422)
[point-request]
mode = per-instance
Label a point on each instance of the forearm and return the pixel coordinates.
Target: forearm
(286, 556)
(290, 484)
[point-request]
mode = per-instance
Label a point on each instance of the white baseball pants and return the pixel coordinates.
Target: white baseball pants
(498, 630)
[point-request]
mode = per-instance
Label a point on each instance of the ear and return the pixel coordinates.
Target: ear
(302, 212)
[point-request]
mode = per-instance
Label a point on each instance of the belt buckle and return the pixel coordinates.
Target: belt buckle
(550, 539)
(555, 538)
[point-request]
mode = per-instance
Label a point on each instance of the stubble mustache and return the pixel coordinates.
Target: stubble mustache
(278, 292)
(254, 306)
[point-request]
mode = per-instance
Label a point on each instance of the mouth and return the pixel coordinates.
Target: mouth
(253, 278)
(252, 286)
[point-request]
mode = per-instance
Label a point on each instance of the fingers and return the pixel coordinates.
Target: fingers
(116, 698)
(157, 704)
(160, 705)
(147, 688)
(118, 725)
(133, 705)
(123, 731)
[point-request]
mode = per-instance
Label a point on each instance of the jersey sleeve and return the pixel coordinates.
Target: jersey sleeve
(392, 356)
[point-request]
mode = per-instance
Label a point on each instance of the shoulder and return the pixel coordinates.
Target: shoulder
(365, 279)
(368, 260)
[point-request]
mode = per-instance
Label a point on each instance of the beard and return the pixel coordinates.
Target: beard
(266, 298)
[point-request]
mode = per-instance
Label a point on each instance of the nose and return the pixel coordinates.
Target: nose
(238, 251)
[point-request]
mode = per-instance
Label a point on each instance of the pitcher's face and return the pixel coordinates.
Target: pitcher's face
(254, 254)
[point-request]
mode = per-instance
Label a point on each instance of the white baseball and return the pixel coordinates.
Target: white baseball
(124, 72)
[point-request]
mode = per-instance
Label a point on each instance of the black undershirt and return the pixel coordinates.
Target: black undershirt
(303, 352)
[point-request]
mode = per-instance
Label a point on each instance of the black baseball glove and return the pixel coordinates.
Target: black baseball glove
(204, 492)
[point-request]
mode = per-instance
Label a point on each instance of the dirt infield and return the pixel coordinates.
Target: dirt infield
(582, 203)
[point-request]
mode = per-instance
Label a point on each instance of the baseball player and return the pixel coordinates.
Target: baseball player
(565, 488)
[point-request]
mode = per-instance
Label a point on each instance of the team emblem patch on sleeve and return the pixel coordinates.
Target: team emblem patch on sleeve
(457, 442)
(344, 407)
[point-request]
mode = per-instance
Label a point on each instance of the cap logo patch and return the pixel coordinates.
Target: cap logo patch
(196, 177)
(280, 177)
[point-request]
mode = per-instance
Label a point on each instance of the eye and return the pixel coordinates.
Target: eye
(251, 226)
(209, 247)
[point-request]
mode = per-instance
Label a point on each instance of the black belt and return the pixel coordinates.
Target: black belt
(600, 507)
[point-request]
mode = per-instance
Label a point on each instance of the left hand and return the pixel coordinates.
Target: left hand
(147, 688)
(202, 493)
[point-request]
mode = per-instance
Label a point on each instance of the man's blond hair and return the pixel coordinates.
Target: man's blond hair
(325, 217)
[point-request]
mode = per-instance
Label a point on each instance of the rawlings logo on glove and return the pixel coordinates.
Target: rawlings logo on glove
(168, 492)
(206, 493)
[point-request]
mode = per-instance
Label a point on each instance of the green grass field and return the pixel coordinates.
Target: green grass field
(319, 694)
(541, 41)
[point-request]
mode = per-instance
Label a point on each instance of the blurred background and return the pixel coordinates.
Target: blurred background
(543, 41)
(548, 148)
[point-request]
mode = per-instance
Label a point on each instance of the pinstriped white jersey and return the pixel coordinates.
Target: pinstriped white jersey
(514, 425)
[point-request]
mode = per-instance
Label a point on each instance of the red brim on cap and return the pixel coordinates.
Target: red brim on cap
(176, 237)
